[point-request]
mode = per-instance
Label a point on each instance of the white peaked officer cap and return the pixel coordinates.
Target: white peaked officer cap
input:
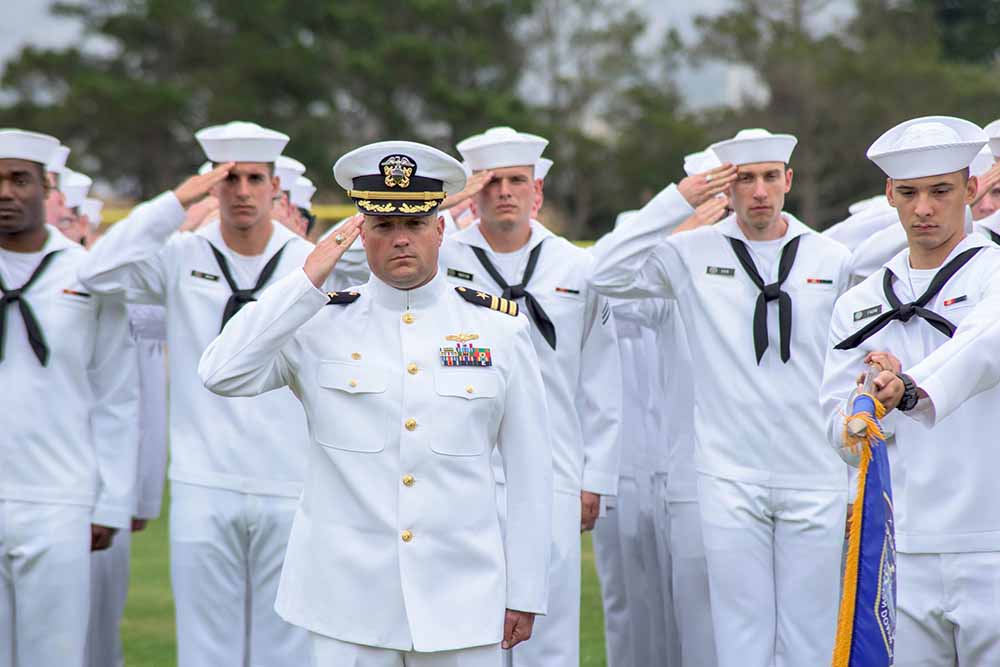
(30, 146)
(982, 162)
(205, 168)
(542, 168)
(302, 193)
(92, 209)
(500, 147)
(75, 187)
(993, 132)
(872, 203)
(755, 145)
(700, 162)
(241, 142)
(288, 170)
(927, 146)
(399, 178)
(57, 163)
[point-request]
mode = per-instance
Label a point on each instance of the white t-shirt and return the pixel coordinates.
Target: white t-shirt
(767, 255)
(920, 280)
(17, 267)
(245, 268)
(510, 264)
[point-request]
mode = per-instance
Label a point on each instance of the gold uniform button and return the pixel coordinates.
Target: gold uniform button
(412, 369)
(355, 355)
(470, 390)
(353, 383)
(406, 536)
(408, 318)
(407, 480)
(410, 424)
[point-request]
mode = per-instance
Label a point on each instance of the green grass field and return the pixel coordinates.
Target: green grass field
(148, 627)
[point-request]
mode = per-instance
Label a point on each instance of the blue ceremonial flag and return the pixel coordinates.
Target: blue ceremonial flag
(867, 626)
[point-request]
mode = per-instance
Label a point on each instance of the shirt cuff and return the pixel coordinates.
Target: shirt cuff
(601, 483)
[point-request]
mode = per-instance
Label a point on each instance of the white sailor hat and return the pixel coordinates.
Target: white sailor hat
(399, 177)
(74, 187)
(542, 168)
(205, 168)
(57, 162)
(927, 146)
(241, 142)
(24, 145)
(288, 170)
(755, 145)
(983, 161)
(500, 147)
(302, 193)
(993, 132)
(700, 162)
(92, 209)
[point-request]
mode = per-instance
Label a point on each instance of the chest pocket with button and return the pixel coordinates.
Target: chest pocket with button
(350, 412)
(466, 408)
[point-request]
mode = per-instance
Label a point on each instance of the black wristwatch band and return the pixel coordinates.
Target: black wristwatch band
(910, 398)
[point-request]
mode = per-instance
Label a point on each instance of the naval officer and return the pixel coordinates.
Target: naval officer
(755, 292)
(922, 318)
(408, 383)
(230, 514)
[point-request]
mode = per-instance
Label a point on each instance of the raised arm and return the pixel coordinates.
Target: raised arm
(257, 351)
(128, 258)
(626, 261)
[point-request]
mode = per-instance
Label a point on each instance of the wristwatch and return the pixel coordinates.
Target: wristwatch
(910, 398)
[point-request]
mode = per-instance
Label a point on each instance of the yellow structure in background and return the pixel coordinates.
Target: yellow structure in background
(324, 212)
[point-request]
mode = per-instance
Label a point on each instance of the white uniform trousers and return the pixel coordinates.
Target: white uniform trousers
(44, 584)
(227, 549)
(329, 652)
(692, 609)
(612, 531)
(555, 638)
(773, 558)
(109, 571)
(948, 609)
(653, 582)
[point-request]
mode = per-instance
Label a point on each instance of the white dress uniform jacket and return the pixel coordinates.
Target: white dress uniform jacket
(946, 498)
(208, 434)
(70, 427)
(583, 374)
(397, 542)
(741, 430)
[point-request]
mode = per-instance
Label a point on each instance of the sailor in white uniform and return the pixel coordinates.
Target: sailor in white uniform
(507, 252)
(929, 319)
(755, 293)
(69, 449)
(230, 514)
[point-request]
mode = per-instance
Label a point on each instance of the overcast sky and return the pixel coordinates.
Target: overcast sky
(24, 22)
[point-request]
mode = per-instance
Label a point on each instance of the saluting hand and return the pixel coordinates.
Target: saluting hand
(473, 186)
(699, 188)
(706, 214)
(516, 628)
(986, 182)
(320, 262)
(196, 188)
